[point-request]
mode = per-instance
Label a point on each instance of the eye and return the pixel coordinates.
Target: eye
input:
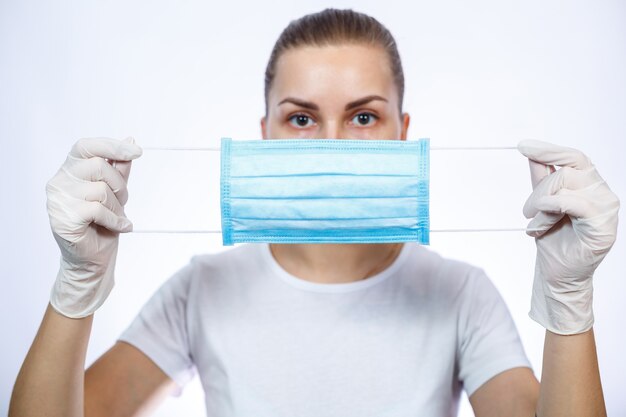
(364, 119)
(301, 120)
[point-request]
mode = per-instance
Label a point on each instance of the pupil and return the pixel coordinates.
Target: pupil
(302, 120)
(364, 118)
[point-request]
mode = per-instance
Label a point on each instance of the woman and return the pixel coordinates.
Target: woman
(321, 329)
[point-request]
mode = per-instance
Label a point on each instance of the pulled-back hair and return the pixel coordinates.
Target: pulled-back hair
(335, 27)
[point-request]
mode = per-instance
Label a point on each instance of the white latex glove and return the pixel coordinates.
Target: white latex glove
(577, 214)
(85, 207)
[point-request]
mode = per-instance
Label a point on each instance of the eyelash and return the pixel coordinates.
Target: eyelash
(299, 115)
(372, 115)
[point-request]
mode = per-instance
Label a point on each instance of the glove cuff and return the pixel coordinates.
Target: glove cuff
(77, 294)
(564, 313)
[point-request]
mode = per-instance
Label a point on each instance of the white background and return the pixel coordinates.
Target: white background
(188, 72)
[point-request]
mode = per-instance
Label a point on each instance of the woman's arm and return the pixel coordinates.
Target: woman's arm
(50, 381)
(85, 201)
(53, 382)
(570, 380)
(574, 221)
(570, 384)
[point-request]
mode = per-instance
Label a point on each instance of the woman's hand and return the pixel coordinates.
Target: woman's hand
(576, 215)
(85, 206)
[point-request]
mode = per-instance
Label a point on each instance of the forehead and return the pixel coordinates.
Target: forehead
(341, 71)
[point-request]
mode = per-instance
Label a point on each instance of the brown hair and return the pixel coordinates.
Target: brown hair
(332, 27)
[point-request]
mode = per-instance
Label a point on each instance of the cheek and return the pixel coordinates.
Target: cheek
(395, 128)
(310, 133)
(369, 134)
(273, 126)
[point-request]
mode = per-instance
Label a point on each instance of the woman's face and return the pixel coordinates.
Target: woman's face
(334, 92)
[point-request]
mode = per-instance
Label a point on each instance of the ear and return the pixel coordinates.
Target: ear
(406, 120)
(263, 127)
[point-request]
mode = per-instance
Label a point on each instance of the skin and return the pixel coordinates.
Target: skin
(125, 382)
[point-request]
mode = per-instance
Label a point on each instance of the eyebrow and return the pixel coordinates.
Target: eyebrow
(349, 106)
(364, 100)
(301, 103)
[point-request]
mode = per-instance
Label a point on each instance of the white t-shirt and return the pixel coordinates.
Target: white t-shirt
(266, 343)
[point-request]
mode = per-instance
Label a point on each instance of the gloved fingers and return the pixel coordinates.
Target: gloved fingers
(101, 192)
(593, 212)
(565, 178)
(123, 168)
(63, 219)
(542, 223)
(573, 203)
(106, 148)
(538, 172)
(96, 212)
(551, 154)
(97, 169)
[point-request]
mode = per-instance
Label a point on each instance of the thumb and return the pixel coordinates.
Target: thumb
(539, 171)
(124, 166)
(107, 148)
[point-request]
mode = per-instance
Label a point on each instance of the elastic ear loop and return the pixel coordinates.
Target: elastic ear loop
(432, 148)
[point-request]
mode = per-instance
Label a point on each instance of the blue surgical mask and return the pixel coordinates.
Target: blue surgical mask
(324, 191)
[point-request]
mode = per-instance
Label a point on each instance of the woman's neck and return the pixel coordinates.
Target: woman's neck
(335, 263)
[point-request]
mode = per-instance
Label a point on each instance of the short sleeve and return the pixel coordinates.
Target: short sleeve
(160, 329)
(488, 339)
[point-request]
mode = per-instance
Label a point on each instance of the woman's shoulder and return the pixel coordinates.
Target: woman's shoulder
(242, 256)
(441, 274)
(225, 266)
(429, 261)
